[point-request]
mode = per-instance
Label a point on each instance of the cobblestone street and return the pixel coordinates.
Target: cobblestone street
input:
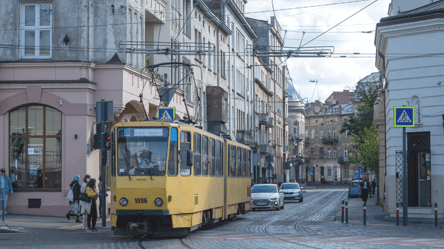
(314, 223)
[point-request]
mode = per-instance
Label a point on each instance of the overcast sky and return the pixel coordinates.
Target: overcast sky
(332, 74)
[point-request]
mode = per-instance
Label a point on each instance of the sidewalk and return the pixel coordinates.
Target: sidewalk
(355, 211)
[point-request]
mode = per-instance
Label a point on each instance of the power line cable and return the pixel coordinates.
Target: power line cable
(304, 7)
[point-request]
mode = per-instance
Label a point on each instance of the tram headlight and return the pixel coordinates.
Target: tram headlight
(123, 201)
(158, 201)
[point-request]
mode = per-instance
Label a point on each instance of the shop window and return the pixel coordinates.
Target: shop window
(35, 148)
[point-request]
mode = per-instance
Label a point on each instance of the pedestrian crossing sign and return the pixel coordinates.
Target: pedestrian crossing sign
(166, 113)
(404, 116)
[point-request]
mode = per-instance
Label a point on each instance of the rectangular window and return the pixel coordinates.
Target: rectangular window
(197, 154)
(204, 58)
(212, 156)
(346, 173)
(244, 163)
(321, 134)
(36, 30)
(233, 161)
(238, 162)
(312, 135)
(219, 153)
(185, 145)
(328, 152)
(186, 13)
(209, 56)
(205, 159)
(215, 59)
(321, 153)
(334, 153)
(248, 163)
(329, 172)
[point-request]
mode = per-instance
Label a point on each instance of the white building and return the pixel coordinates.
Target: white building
(409, 47)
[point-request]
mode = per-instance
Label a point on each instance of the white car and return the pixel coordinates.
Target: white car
(267, 196)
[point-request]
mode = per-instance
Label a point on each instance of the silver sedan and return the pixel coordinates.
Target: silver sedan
(292, 191)
(266, 196)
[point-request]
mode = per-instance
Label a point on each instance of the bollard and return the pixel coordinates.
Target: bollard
(436, 214)
(346, 212)
(342, 216)
(397, 214)
(365, 213)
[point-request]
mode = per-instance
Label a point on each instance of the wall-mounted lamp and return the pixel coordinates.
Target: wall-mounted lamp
(122, 9)
(66, 40)
(61, 102)
(113, 9)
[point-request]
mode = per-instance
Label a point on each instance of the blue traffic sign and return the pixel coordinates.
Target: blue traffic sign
(166, 113)
(357, 173)
(362, 172)
(311, 173)
(404, 116)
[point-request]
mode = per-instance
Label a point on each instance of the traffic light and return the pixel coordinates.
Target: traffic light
(96, 141)
(107, 140)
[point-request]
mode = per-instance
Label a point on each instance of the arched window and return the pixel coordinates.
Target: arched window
(35, 148)
(416, 102)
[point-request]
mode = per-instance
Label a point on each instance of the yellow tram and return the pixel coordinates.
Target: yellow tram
(170, 178)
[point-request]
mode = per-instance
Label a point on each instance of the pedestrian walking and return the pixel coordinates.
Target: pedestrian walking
(82, 203)
(365, 187)
(100, 196)
(91, 209)
(74, 201)
(374, 185)
(5, 188)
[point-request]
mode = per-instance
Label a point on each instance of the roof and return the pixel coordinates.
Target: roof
(367, 83)
(213, 18)
(344, 97)
(293, 93)
(428, 7)
(347, 108)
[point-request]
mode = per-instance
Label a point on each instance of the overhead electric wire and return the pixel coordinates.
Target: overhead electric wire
(304, 7)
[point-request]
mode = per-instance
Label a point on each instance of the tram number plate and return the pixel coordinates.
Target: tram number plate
(261, 203)
(141, 200)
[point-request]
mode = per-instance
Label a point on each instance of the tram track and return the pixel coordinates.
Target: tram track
(296, 226)
(141, 246)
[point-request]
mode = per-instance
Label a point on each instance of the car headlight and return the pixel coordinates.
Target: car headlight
(123, 201)
(274, 199)
(158, 201)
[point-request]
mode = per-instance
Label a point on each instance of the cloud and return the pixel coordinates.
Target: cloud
(332, 74)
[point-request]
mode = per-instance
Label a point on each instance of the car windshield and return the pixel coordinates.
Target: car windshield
(290, 186)
(263, 189)
(142, 151)
(355, 184)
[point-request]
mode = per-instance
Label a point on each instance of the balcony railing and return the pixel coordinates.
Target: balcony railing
(155, 10)
(264, 149)
(343, 160)
(264, 119)
(330, 140)
(245, 137)
(270, 123)
(298, 137)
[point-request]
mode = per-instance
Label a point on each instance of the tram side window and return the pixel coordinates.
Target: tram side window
(222, 159)
(244, 163)
(113, 155)
(218, 159)
(172, 160)
(204, 156)
(238, 163)
(228, 161)
(197, 155)
(248, 163)
(233, 161)
(185, 144)
(212, 166)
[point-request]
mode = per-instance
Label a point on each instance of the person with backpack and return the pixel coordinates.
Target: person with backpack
(74, 199)
(82, 203)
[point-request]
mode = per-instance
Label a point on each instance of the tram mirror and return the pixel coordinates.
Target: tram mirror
(190, 158)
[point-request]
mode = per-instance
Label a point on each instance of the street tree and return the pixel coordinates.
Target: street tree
(366, 151)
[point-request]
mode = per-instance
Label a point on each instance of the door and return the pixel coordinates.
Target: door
(424, 180)
(419, 170)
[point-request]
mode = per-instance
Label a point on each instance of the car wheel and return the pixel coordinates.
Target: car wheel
(301, 200)
(349, 196)
(282, 206)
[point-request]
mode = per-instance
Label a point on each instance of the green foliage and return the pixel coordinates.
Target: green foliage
(367, 149)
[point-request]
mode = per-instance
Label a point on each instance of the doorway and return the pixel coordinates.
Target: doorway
(419, 170)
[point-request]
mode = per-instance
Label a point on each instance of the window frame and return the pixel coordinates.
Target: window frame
(205, 155)
(183, 161)
(197, 153)
(26, 138)
(37, 30)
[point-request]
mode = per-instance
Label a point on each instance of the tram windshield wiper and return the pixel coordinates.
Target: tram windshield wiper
(127, 163)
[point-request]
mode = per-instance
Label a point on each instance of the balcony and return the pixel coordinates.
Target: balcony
(245, 137)
(264, 149)
(155, 11)
(264, 119)
(343, 160)
(330, 140)
(299, 137)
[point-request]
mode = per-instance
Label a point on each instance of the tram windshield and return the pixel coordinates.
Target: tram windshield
(142, 151)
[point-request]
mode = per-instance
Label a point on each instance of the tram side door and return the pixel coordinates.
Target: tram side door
(185, 186)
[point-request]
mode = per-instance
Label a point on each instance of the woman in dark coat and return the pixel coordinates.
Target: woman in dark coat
(75, 186)
(365, 188)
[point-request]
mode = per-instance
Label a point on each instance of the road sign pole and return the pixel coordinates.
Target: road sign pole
(405, 189)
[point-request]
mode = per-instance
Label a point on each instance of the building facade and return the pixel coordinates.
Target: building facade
(326, 150)
(407, 42)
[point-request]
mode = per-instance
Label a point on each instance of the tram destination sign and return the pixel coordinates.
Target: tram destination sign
(404, 116)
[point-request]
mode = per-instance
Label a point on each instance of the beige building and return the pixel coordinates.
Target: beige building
(326, 150)
(296, 138)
